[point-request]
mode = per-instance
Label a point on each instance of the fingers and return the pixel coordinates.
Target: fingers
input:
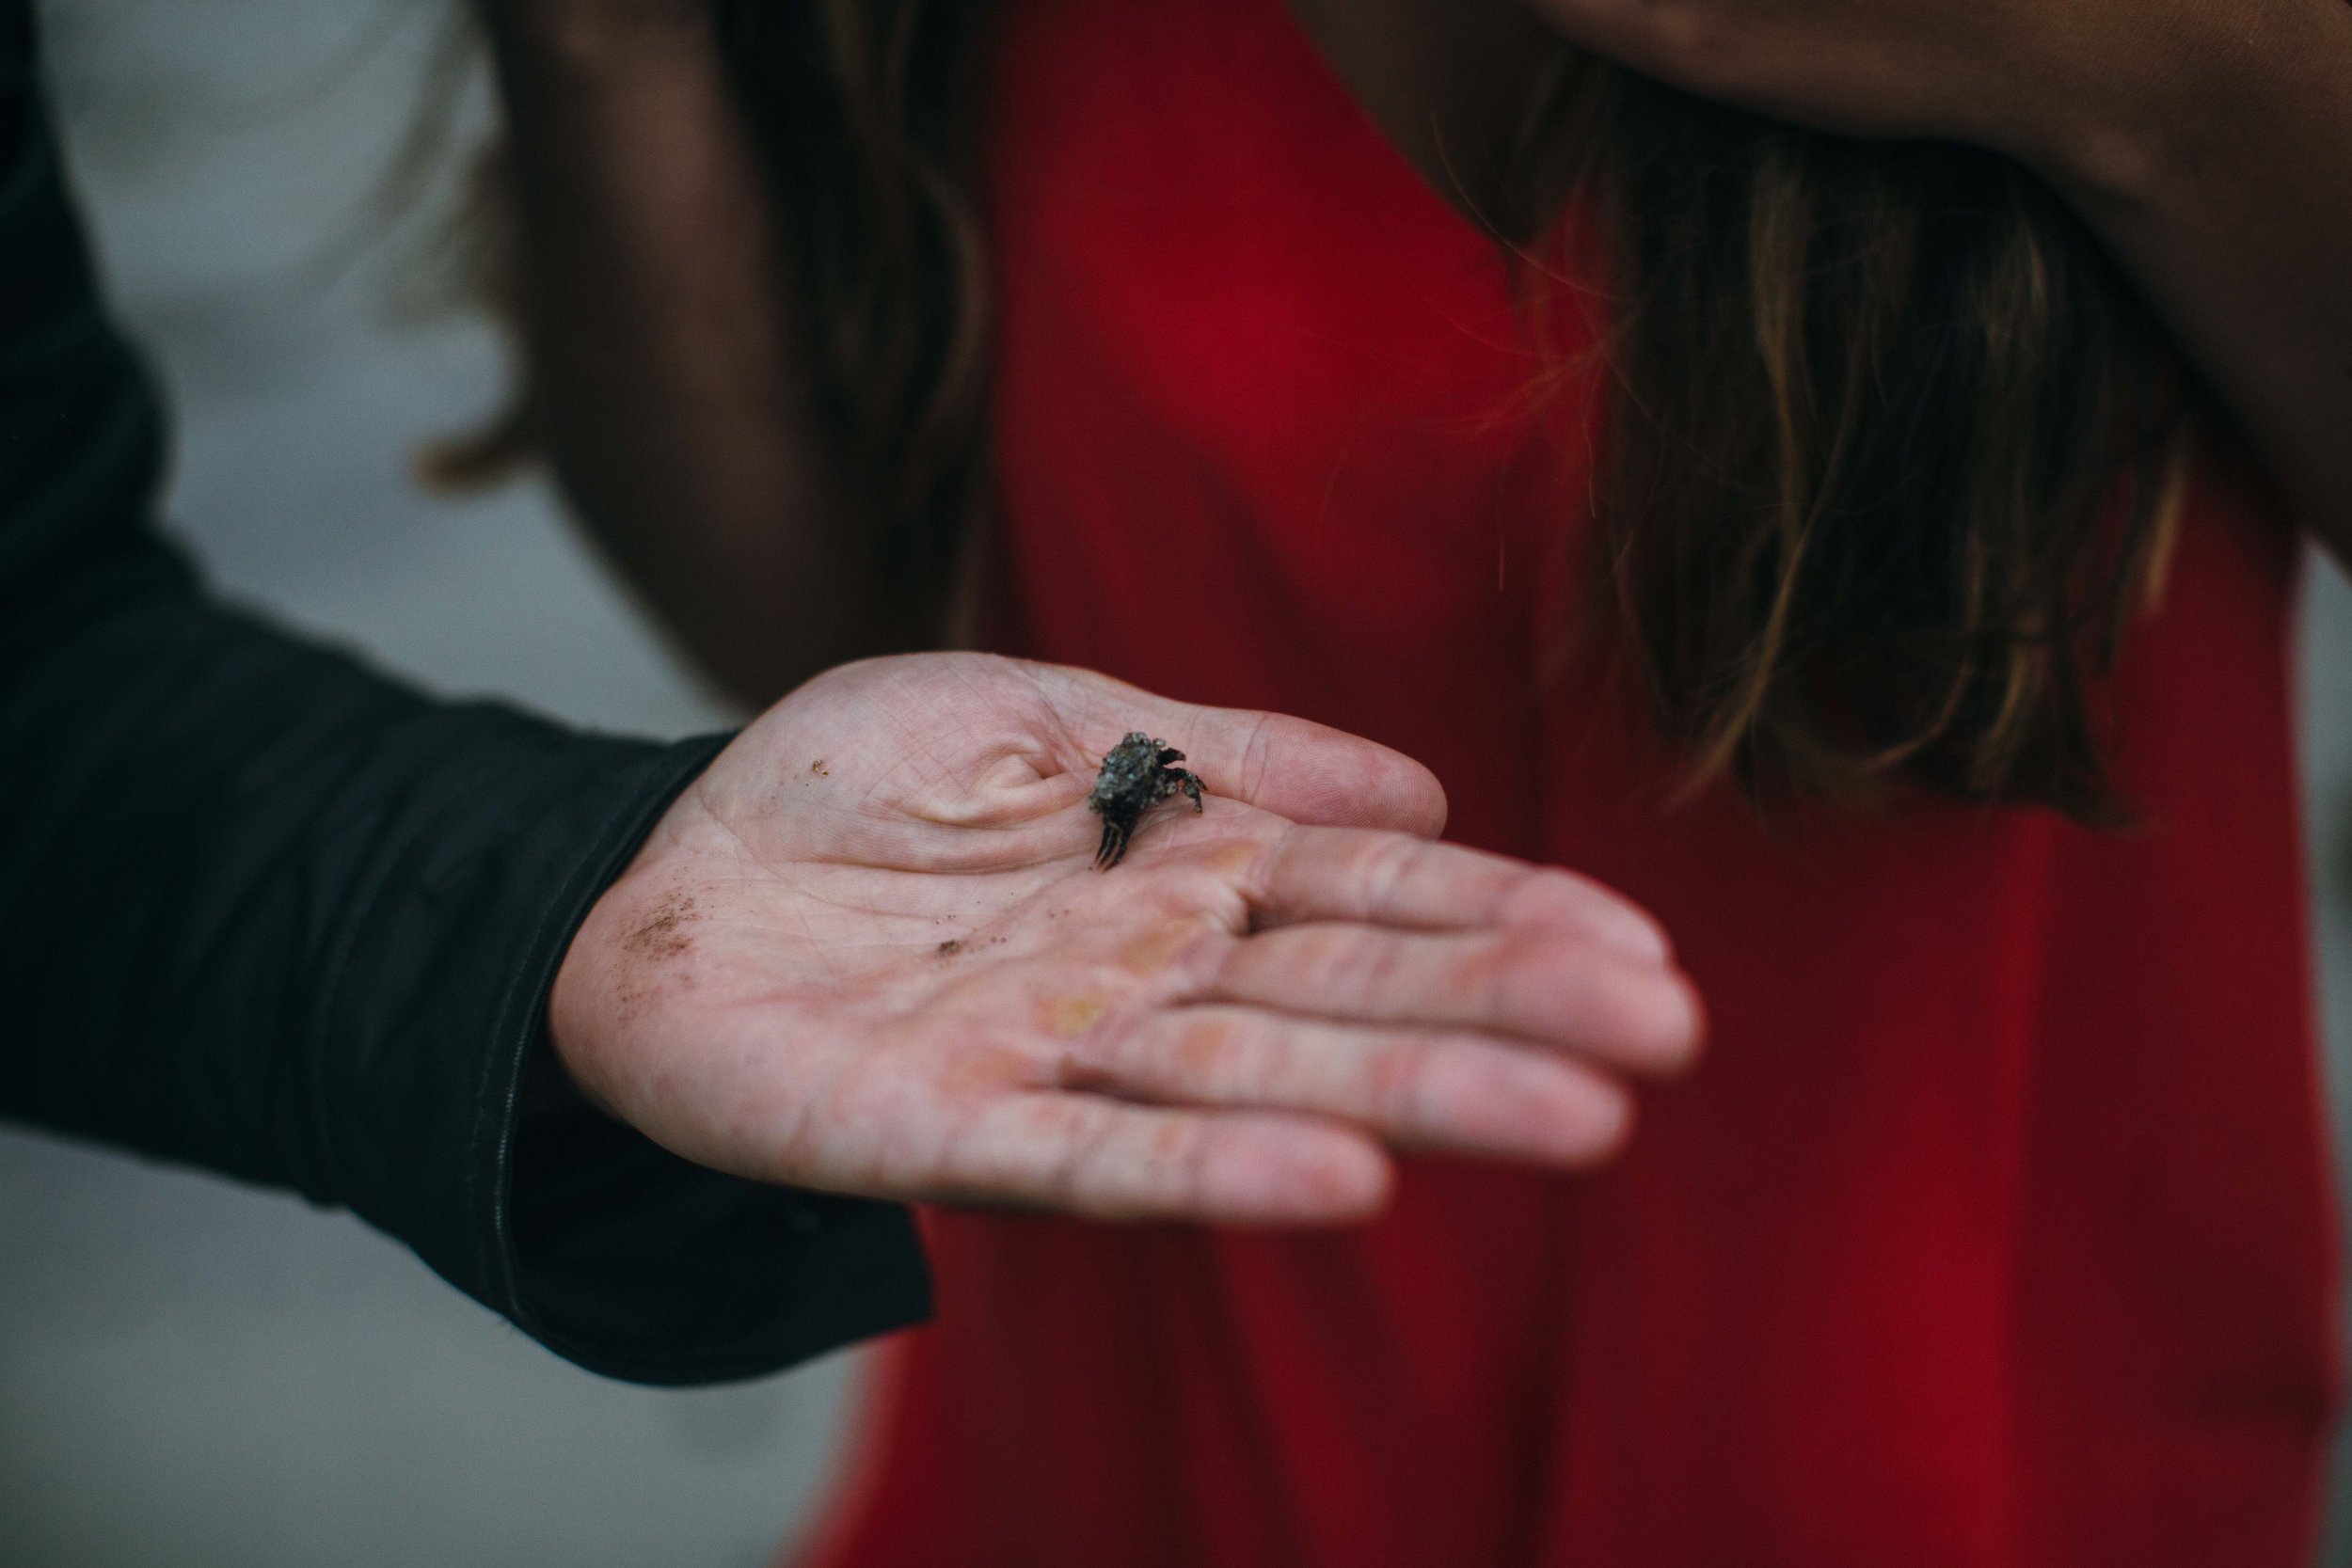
(1425, 1088)
(1555, 987)
(1390, 880)
(1270, 1119)
(1291, 767)
(1081, 1154)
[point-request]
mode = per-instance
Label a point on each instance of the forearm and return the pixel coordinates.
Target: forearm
(264, 912)
(2208, 141)
(2230, 203)
(664, 366)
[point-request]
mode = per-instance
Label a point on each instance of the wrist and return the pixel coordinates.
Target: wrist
(590, 992)
(582, 1000)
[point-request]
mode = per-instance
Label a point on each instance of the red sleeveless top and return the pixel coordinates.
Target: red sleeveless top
(1994, 1229)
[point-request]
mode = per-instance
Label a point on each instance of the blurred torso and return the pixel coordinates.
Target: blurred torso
(1993, 1229)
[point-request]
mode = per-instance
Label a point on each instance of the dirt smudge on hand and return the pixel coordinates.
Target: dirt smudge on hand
(665, 935)
(1157, 947)
(1070, 1016)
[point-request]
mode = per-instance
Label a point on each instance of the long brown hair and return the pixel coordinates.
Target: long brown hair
(1892, 452)
(862, 113)
(1887, 461)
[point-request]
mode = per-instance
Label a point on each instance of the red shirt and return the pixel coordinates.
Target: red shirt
(1993, 1229)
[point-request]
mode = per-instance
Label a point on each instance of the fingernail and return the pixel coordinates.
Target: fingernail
(1629, 931)
(1686, 1027)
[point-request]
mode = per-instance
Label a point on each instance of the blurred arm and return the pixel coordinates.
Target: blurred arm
(2207, 142)
(2230, 200)
(661, 350)
(264, 911)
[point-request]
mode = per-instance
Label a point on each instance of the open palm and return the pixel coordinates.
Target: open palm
(870, 952)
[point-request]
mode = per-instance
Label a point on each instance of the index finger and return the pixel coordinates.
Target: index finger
(1293, 767)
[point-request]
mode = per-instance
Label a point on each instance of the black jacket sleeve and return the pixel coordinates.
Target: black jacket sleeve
(264, 911)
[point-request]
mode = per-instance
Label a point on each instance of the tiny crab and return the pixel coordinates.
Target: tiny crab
(1137, 774)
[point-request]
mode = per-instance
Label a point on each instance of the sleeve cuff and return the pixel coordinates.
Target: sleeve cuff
(610, 1250)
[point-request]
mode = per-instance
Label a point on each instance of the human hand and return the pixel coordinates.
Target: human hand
(2080, 89)
(867, 952)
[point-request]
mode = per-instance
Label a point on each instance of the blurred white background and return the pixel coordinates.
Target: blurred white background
(196, 1374)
